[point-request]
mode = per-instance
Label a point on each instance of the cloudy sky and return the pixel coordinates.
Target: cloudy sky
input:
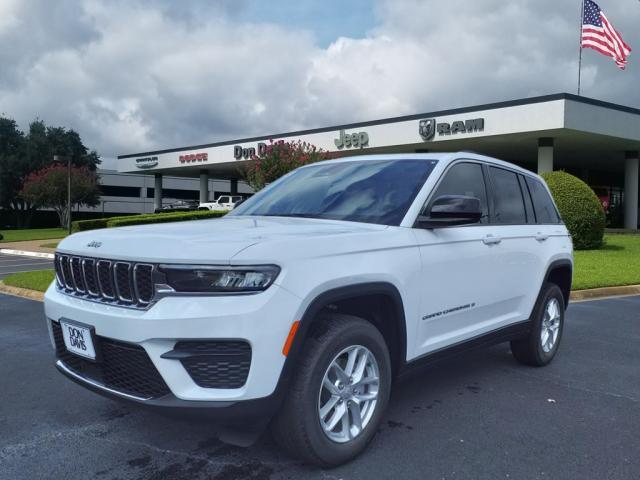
(136, 75)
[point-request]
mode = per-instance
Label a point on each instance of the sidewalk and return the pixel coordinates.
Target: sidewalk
(29, 248)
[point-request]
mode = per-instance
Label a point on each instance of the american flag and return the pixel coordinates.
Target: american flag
(599, 34)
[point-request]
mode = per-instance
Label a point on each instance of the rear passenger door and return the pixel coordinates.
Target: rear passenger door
(519, 257)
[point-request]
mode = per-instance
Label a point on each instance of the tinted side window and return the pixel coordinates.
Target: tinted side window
(509, 204)
(545, 209)
(531, 218)
(465, 179)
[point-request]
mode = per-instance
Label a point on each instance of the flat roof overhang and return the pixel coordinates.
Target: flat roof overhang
(587, 133)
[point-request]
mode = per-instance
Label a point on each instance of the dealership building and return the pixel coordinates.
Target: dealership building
(595, 140)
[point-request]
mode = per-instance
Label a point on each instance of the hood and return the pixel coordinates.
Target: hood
(214, 241)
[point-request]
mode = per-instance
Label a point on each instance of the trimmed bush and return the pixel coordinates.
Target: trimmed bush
(84, 225)
(95, 223)
(1, 236)
(164, 218)
(580, 208)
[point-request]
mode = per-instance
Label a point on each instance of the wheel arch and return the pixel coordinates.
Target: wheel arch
(560, 272)
(370, 301)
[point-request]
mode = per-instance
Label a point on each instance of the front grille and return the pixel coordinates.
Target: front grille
(122, 366)
(89, 272)
(125, 283)
(77, 275)
(105, 279)
(66, 272)
(143, 282)
(215, 363)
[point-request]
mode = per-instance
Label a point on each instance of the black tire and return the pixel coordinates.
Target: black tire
(296, 427)
(530, 350)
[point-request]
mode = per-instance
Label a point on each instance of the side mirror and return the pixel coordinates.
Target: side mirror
(451, 210)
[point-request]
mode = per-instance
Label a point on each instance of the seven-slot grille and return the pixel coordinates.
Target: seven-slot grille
(125, 283)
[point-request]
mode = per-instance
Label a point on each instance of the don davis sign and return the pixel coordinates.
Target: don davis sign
(247, 153)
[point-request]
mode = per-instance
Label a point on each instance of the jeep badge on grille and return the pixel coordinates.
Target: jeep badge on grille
(94, 244)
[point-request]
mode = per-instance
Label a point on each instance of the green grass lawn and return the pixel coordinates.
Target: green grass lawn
(32, 234)
(38, 280)
(618, 263)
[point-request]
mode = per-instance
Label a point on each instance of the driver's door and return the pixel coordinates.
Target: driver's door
(460, 289)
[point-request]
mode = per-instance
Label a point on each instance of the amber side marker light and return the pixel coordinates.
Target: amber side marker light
(289, 341)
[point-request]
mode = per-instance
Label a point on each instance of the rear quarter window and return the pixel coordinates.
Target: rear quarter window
(546, 211)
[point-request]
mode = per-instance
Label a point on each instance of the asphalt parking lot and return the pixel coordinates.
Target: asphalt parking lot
(478, 416)
(15, 263)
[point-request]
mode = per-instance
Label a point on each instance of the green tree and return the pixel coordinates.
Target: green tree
(12, 147)
(22, 154)
(47, 188)
(278, 159)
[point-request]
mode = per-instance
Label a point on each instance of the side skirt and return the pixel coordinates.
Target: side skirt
(501, 335)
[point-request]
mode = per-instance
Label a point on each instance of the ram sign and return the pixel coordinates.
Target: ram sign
(429, 127)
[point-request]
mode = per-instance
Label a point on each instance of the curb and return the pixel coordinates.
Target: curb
(21, 292)
(604, 292)
(25, 253)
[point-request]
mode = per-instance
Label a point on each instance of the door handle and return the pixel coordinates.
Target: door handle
(491, 240)
(541, 237)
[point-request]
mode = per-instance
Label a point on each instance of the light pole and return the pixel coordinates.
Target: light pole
(59, 158)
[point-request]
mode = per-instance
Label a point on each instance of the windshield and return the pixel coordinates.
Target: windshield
(369, 191)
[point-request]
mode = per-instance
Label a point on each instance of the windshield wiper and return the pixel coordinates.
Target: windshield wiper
(294, 215)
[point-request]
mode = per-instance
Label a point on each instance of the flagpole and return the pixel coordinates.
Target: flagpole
(580, 46)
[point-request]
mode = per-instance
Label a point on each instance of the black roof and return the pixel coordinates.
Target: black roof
(453, 111)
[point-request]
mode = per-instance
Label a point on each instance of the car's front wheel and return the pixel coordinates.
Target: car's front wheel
(338, 394)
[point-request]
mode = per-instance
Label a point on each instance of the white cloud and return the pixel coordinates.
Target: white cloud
(135, 75)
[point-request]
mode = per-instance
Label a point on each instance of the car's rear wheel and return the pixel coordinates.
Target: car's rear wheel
(547, 324)
(339, 392)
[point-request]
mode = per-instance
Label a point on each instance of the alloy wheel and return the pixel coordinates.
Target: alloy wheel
(550, 327)
(349, 393)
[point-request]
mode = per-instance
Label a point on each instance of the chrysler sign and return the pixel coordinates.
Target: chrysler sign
(428, 128)
(146, 162)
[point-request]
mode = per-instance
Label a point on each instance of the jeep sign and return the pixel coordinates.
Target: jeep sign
(352, 140)
(428, 127)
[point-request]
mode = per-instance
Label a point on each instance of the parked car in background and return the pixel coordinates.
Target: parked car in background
(301, 307)
(179, 206)
(223, 202)
(604, 195)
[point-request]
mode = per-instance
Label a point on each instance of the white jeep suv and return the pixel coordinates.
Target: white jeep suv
(301, 306)
(224, 202)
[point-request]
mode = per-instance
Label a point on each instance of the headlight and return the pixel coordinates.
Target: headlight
(203, 279)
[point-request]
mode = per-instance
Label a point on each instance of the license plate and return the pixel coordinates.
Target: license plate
(78, 339)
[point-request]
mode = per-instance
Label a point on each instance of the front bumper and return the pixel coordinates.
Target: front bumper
(237, 413)
(262, 320)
